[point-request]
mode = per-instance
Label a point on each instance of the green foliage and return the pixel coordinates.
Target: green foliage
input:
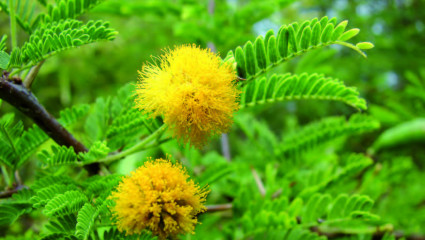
(299, 87)
(85, 221)
(9, 134)
(65, 9)
(59, 156)
(63, 204)
(44, 195)
(64, 224)
(52, 38)
(18, 145)
(9, 214)
(322, 209)
(405, 133)
(318, 133)
(291, 40)
(25, 15)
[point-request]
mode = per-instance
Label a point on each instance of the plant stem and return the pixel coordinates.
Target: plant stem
(32, 74)
(136, 147)
(13, 36)
(218, 207)
(5, 175)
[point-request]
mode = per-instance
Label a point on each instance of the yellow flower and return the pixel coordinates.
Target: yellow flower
(193, 90)
(158, 196)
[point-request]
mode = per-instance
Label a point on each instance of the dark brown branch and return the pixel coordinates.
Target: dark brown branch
(20, 97)
(8, 193)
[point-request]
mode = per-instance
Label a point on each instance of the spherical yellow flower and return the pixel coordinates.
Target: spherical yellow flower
(193, 90)
(158, 196)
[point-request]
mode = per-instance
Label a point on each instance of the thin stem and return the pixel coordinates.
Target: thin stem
(349, 45)
(18, 178)
(219, 207)
(136, 148)
(5, 175)
(258, 181)
(13, 24)
(104, 169)
(225, 147)
(29, 79)
(8, 193)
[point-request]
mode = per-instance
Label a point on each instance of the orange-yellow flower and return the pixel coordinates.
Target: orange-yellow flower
(193, 90)
(158, 196)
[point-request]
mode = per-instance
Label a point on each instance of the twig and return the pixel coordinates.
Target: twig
(218, 207)
(260, 184)
(20, 97)
(135, 148)
(225, 146)
(18, 178)
(8, 193)
(32, 74)
(13, 34)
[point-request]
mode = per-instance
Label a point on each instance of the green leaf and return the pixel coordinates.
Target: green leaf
(283, 42)
(64, 224)
(85, 221)
(339, 29)
(240, 60)
(9, 137)
(4, 60)
(269, 34)
(305, 38)
(295, 87)
(291, 41)
(44, 195)
(98, 150)
(327, 33)
(365, 45)
(302, 141)
(349, 34)
(250, 58)
(343, 208)
(317, 30)
(63, 204)
(260, 52)
(59, 156)
(404, 133)
(9, 214)
(3, 41)
(52, 38)
(272, 50)
(293, 44)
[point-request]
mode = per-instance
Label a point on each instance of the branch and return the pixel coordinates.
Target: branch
(218, 207)
(10, 192)
(20, 97)
(32, 74)
(136, 148)
(258, 181)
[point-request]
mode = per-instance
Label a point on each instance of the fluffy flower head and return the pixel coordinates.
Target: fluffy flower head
(193, 90)
(158, 196)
